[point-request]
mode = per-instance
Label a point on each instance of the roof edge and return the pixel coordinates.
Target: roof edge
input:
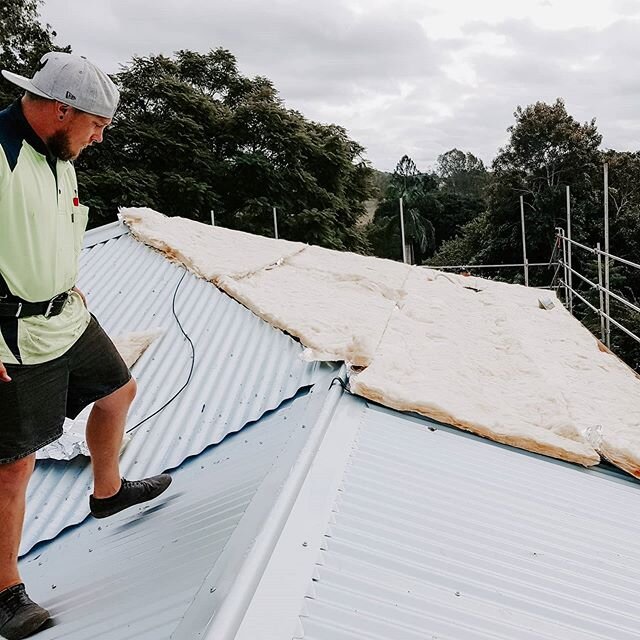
(276, 606)
(101, 234)
(231, 584)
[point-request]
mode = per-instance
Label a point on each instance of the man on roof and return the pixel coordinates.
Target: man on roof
(55, 359)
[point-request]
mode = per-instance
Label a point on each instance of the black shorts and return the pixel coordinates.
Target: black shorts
(34, 404)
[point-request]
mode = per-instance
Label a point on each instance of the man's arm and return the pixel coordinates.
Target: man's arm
(80, 294)
(4, 376)
(5, 172)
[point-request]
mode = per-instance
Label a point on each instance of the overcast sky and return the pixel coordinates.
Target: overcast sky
(402, 76)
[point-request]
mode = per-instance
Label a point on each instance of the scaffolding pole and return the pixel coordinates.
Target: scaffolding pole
(569, 249)
(564, 264)
(602, 328)
(404, 249)
(606, 257)
(524, 245)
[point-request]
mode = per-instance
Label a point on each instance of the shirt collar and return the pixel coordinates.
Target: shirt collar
(27, 132)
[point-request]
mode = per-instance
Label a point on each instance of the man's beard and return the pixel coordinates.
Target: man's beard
(58, 145)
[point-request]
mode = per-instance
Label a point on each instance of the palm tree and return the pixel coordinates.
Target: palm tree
(420, 205)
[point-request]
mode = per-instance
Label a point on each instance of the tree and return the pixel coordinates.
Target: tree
(469, 246)
(23, 41)
(456, 210)
(406, 177)
(192, 134)
(462, 173)
(433, 211)
(547, 150)
(624, 222)
(624, 201)
(420, 208)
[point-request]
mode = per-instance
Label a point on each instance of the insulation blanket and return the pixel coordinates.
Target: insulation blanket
(474, 353)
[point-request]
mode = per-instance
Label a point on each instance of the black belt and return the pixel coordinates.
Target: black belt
(12, 307)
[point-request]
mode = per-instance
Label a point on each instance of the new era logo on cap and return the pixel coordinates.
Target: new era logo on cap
(73, 80)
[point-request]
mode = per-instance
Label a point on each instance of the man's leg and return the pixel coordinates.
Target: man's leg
(19, 615)
(14, 478)
(105, 429)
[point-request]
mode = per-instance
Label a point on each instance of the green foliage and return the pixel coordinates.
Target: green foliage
(381, 181)
(23, 41)
(419, 203)
(624, 222)
(468, 246)
(434, 210)
(547, 150)
(192, 134)
(462, 173)
(406, 177)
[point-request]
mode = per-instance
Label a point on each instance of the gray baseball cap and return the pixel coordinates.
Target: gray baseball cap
(72, 80)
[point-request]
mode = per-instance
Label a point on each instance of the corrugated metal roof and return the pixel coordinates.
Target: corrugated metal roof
(140, 574)
(243, 368)
(377, 525)
(433, 533)
(437, 534)
(103, 233)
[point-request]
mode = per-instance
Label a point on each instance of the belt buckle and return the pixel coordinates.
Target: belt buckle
(19, 309)
(60, 299)
(47, 312)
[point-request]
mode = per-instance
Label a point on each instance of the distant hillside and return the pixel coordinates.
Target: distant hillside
(380, 180)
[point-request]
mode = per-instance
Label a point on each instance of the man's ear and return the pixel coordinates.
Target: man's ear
(62, 110)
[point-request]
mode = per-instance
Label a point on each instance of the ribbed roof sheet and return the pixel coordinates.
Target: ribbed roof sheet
(428, 532)
(437, 534)
(142, 573)
(243, 368)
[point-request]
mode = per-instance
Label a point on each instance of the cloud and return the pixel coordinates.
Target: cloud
(626, 8)
(408, 76)
(590, 68)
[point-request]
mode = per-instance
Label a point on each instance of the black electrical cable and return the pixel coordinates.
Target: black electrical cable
(343, 383)
(193, 360)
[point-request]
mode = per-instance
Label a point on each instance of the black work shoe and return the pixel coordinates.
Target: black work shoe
(131, 492)
(19, 615)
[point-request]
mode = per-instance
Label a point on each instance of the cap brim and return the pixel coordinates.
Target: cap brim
(24, 83)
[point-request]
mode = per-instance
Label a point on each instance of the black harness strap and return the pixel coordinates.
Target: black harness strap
(9, 326)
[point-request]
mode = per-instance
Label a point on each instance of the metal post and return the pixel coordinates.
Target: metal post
(606, 257)
(570, 273)
(275, 222)
(564, 264)
(404, 249)
(213, 219)
(524, 245)
(602, 330)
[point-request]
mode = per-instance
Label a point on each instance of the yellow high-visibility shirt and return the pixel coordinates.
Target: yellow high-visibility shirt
(41, 229)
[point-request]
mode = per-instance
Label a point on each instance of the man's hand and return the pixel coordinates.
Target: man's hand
(81, 295)
(4, 376)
